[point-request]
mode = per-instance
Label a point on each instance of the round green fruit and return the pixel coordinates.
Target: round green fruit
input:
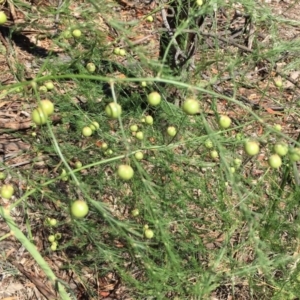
(64, 176)
(87, 131)
(149, 19)
(104, 146)
(277, 127)
(117, 51)
(171, 131)
(135, 212)
(3, 18)
(91, 67)
(275, 161)
(149, 120)
(52, 222)
(239, 136)
(208, 144)
(67, 34)
(43, 89)
(149, 234)
(6, 191)
(51, 238)
(294, 154)
(113, 110)
(134, 128)
(38, 116)
(125, 172)
(251, 147)
(79, 209)
(122, 52)
(58, 236)
(139, 135)
(33, 84)
(224, 122)
(53, 246)
(94, 126)
(281, 148)
(237, 162)
(18, 89)
(191, 106)
(108, 152)
(278, 82)
(139, 155)
(76, 33)
(154, 98)
(47, 107)
(49, 85)
(214, 154)
(78, 164)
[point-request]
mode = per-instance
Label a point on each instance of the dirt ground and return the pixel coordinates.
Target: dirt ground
(24, 280)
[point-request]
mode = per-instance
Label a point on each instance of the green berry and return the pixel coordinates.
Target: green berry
(51, 238)
(149, 234)
(139, 135)
(76, 33)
